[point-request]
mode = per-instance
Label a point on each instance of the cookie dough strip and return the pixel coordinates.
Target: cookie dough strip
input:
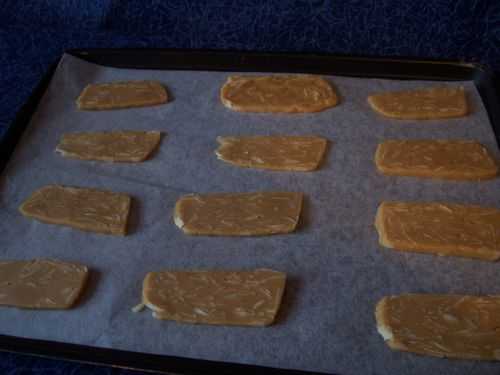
(281, 153)
(116, 146)
(248, 298)
(421, 104)
(451, 326)
(446, 159)
(117, 95)
(440, 228)
(238, 214)
(81, 208)
(41, 283)
(278, 93)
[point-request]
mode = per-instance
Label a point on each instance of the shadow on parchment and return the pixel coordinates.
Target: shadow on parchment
(292, 288)
(90, 287)
(135, 217)
(154, 152)
(305, 214)
(325, 162)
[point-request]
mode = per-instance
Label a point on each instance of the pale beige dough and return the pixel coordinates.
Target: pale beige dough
(278, 93)
(440, 228)
(117, 95)
(41, 283)
(421, 104)
(452, 326)
(81, 208)
(282, 153)
(446, 159)
(238, 214)
(248, 298)
(117, 146)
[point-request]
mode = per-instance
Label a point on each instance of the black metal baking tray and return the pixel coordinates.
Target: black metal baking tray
(364, 67)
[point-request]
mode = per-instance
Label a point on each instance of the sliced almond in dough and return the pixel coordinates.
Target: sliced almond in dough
(452, 326)
(422, 104)
(118, 146)
(285, 153)
(238, 214)
(440, 228)
(116, 95)
(41, 283)
(448, 159)
(86, 209)
(249, 298)
(278, 93)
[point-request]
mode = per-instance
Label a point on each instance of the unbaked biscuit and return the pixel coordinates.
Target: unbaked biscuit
(421, 104)
(440, 228)
(41, 283)
(117, 95)
(81, 208)
(451, 326)
(117, 146)
(249, 298)
(447, 159)
(279, 93)
(282, 153)
(238, 214)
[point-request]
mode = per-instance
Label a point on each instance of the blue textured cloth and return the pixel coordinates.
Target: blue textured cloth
(33, 34)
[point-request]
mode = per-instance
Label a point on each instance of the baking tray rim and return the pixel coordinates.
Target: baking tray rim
(219, 60)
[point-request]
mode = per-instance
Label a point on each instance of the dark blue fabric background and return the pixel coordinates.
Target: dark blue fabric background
(33, 34)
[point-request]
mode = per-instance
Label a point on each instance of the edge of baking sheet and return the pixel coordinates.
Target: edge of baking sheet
(404, 68)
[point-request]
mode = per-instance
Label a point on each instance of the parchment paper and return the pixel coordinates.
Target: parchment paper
(337, 271)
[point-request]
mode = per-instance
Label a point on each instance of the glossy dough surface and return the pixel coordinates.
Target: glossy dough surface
(41, 283)
(86, 209)
(447, 159)
(440, 228)
(116, 95)
(238, 214)
(452, 326)
(421, 104)
(279, 93)
(215, 297)
(285, 153)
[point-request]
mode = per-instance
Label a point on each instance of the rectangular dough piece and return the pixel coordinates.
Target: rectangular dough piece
(116, 95)
(452, 326)
(278, 93)
(440, 228)
(284, 153)
(447, 159)
(117, 146)
(86, 209)
(41, 283)
(238, 214)
(421, 104)
(249, 298)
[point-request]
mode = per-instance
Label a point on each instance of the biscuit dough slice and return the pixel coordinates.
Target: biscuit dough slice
(452, 326)
(278, 93)
(447, 159)
(249, 298)
(41, 283)
(118, 146)
(421, 104)
(81, 208)
(285, 153)
(116, 95)
(238, 214)
(440, 228)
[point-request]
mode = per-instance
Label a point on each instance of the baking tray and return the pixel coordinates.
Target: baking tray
(401, 69)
